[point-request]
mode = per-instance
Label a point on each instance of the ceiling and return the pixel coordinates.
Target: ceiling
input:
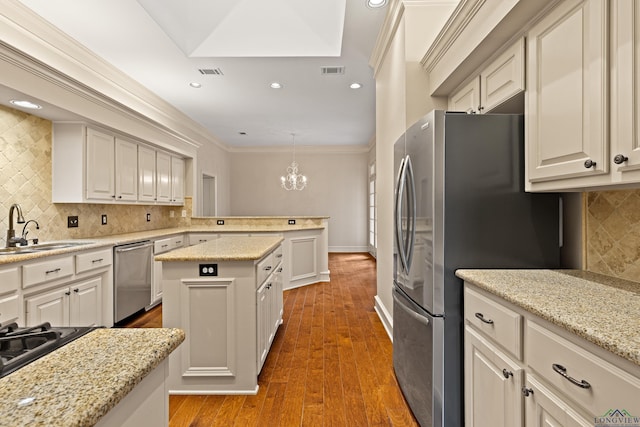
(235, 49)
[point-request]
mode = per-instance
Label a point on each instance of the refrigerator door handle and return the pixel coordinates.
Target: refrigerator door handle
(410, 308)
(412, 213)
(398, 214)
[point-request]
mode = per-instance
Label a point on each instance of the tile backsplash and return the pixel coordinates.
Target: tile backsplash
(25, 178)
(613, 233)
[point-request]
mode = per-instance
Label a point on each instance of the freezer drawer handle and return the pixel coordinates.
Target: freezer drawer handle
(482, 319)
(562, 371)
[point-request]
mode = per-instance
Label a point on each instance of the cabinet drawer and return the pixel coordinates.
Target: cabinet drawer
(93, 260)
(565, 365)
(197, 238)
(501, 324)
(9, 279)
(46, 271)
(264, 268)
(277, 255)
(162, 245)
(9, 308)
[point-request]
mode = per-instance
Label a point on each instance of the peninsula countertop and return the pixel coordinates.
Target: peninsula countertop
(601, 309)
(80, 382)
(226, 248)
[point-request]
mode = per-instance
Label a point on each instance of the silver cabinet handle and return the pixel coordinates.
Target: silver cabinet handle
(267, 268)
(589, 164)
(97, 260)
(620, 159)
(482, 319)
(562, 371)
(526, 392)
(507, 373)
(55, 270)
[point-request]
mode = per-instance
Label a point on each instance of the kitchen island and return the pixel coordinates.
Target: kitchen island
(226, 294)
(109, 377)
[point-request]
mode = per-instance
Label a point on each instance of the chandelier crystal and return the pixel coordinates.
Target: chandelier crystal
(294, 179)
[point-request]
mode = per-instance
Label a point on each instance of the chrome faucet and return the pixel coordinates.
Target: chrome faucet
(12, 241)
(25, 231)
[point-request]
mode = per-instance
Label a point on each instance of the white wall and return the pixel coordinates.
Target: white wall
(337, 188)
(213, 161)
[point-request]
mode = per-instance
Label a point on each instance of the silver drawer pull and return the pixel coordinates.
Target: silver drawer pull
(165, 246)
(562, 371)
(482, 319)
(267, 268)
(279, 256)
(55, 270)
(97, 260)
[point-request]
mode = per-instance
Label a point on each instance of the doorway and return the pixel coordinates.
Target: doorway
(209, 205)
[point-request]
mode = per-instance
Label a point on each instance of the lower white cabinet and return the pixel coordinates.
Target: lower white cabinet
(161, 246)
(77, 305)
(10, 297)
(560, 379)
(268, 304)
(493, 383)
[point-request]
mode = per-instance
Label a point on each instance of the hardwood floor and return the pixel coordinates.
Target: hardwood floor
(330, 363)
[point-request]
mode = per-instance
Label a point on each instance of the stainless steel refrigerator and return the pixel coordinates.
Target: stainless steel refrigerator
(459, 203)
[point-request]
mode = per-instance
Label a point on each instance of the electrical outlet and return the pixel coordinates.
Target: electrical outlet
(148, 217)
(104, 219)
(292, 222)
(208, 269)
(184, 213)
(72, 221)
(220, 222)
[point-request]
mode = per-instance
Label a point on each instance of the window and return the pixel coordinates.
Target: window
(373, 221)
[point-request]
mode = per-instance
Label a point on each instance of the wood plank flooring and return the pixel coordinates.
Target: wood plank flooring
(329, 365)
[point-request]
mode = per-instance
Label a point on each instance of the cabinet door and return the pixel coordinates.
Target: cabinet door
(544, 409)
(126, 170)
(146, 174)
(467, 98)
(85, 308)
(278, 297)
(52, 307)
(493, 384)
(566, 112)
(503, 78)
(263, 316)
(625, 89)
(177, 180)
(163, 173)
(100, 167)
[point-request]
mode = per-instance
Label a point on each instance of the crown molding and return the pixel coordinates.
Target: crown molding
(308, 149)
(385, 36)
(36, 47)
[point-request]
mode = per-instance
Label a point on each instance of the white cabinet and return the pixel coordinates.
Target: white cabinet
(269, 301)
(625, 90)
(94, 166)
(520, 367)
(146, 174)
(566, 121)
(10, 298)
(77, 305)
(499, 81)
(161, 246)
(74, 290)
(100, 167)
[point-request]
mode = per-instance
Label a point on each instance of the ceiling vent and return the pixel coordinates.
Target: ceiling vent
(332, 71)
(211, 71)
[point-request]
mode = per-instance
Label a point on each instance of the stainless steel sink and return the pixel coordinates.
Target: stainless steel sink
(40, 247)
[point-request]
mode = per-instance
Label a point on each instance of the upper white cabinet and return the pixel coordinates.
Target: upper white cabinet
(497, 82)
(566, 113)
(94, 166)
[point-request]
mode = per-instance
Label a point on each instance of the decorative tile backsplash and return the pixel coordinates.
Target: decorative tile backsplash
(613, 233)
(25, 178)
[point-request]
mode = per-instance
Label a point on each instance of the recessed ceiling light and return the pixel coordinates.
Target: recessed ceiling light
(275, 85)
(374, 4)
(195, 84)
(355, 85)
(25, 104)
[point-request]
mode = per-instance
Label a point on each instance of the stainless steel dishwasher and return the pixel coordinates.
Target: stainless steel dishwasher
(132, 278)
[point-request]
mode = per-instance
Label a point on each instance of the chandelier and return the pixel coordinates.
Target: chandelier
(294, 179)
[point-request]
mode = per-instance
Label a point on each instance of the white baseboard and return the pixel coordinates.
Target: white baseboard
(214, 392)
(385, 316)
(348, 249)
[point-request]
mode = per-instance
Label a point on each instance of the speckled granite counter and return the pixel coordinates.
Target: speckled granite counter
(79, 383)
(231, 248)
(601, 309)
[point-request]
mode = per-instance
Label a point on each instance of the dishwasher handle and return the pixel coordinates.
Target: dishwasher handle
(133, 246)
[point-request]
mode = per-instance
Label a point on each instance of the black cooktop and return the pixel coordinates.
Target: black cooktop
(20, 346)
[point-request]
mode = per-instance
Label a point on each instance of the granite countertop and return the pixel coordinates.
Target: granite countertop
(230, 248)
(601, 309)
(80, 382)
